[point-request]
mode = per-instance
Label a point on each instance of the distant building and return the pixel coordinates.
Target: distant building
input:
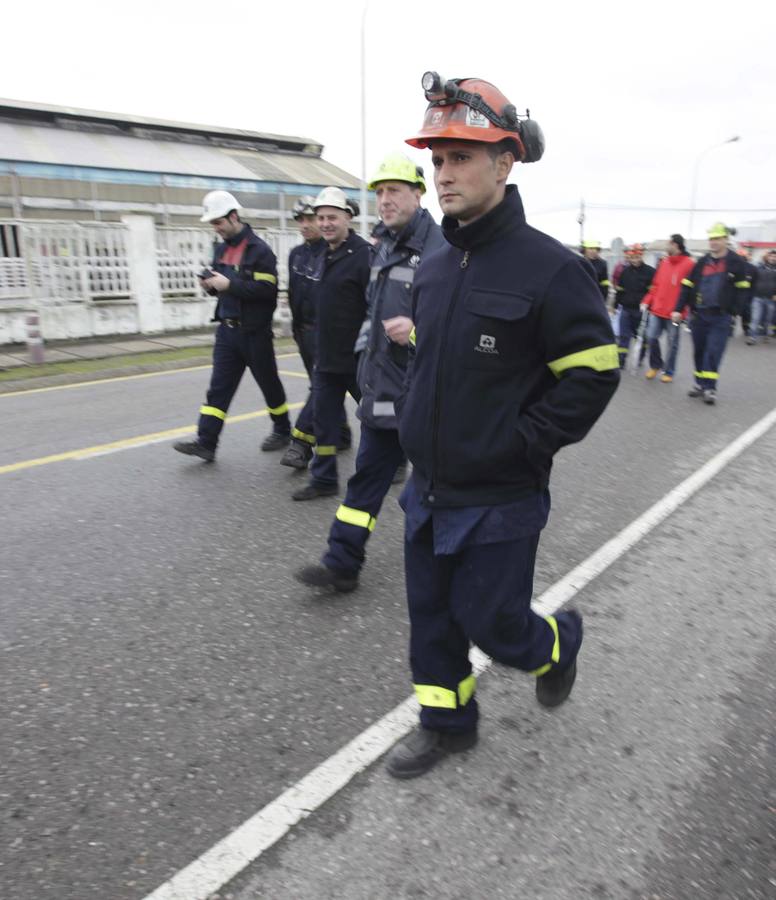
(74, 164)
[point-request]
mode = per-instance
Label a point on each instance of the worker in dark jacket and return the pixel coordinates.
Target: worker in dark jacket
(340, 299)
(714, 292)
(632, 285)
(243, 277)
(764, 299)
(409, 235)
(514, 359)
(304, 268)
(591, 250)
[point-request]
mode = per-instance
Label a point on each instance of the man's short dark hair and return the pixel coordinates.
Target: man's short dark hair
(505, 145)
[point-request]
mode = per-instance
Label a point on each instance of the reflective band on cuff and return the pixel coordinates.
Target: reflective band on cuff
(623, 350)
(605, 283)
(301, 436)
(278, 410)
(412, 337)
(430, 695)
(712, 376)
(600, 358)
(265, 276)
(325, 450)
(687, 283)
(466, 689)
(212, 411)
(743, 284)
(357, 517)
(555, 655)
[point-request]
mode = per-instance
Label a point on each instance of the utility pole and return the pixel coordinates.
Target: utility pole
(581, 221)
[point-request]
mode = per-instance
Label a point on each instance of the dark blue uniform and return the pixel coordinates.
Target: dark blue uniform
(715, 291)
(515, 358)
(381, 372)
(244, 335)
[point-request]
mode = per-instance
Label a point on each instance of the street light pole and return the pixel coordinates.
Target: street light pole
(364, 198)
(696, 172)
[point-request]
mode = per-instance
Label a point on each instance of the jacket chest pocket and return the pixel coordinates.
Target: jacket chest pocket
(494, 332)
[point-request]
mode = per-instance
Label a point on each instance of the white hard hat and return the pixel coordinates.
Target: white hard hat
(333, 196)
(218, 204)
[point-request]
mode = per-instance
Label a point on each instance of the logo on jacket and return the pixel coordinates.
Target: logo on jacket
(487, 345)
(413, 261)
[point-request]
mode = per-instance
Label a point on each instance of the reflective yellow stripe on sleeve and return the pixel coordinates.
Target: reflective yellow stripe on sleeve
(278, 410)
(265, 276)
(604, 282)
(687, 283)
(212, 411)
(412, 337)
(555, 655)
(600, 358)
(357, 517)
(743, 284)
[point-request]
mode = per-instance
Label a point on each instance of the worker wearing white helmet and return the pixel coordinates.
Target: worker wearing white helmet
(243, 276)
(340, 300)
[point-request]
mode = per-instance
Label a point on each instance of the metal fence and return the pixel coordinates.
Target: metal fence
(89, 262)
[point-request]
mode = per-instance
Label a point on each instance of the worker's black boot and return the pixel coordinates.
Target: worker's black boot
(298, 455)
(275, 440)
(323, 576)
(422, 749)
(194, 448)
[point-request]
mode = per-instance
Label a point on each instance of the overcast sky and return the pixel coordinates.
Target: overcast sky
(628, 95)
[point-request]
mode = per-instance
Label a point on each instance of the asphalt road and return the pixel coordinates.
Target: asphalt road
(164, 677)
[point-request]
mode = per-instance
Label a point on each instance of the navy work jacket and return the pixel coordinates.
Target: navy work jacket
(733, 293)
(304, 269)
(382, 365)
(340, 300)
(514, 359)
(253, 281)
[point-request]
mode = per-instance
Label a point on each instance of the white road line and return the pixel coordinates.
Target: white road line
(245, 844)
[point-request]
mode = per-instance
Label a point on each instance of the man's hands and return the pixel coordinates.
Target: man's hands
(218, 282)
(398, 329)
(676, 317)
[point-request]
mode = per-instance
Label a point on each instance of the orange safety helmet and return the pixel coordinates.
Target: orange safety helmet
(470, 109)
(634, 249)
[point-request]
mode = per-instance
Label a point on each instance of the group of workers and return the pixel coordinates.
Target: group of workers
(709, 293)
(475, 351)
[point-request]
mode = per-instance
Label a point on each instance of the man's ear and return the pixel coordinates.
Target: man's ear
(504, 163)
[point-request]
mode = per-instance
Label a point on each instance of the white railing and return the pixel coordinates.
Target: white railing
(89, 261)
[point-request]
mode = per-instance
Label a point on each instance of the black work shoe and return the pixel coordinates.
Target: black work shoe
(297, 456)
(695, 391)
(710, 397)
(555, 686)
(275, 441)
(194, 448)
(311, 491)
(401, 474)
(323, 576)
(422, 749)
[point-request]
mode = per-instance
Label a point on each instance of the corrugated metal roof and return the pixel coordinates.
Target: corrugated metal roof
(59, 146)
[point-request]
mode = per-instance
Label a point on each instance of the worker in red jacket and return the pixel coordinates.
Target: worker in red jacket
(660, 301)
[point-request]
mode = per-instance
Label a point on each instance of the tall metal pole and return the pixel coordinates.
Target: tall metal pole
(581, 220)
(364, 197)
(696, 172)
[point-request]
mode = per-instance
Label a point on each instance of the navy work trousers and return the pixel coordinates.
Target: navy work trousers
(710, 333)
(630, 319)
(379, 456)
(305, 422)
(480, 595)
(233, 351)
(329, 390)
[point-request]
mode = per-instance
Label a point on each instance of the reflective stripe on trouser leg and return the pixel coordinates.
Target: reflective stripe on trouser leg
(439, 648)
(260, 357)
(228, 367)
(716, 342)
(555, 655)
(379, 455)
(329, 389)
(443, 698)
(301, 436)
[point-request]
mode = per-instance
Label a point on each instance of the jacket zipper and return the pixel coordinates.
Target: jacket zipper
(440, 371)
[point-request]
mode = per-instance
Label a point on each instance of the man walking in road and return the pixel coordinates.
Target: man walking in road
(591, 250)
(714, 291)
(514, 359)
(660, 302)
(243, 277)
(340, 312)
(410, 234)
(633, 282)
(764, 300)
